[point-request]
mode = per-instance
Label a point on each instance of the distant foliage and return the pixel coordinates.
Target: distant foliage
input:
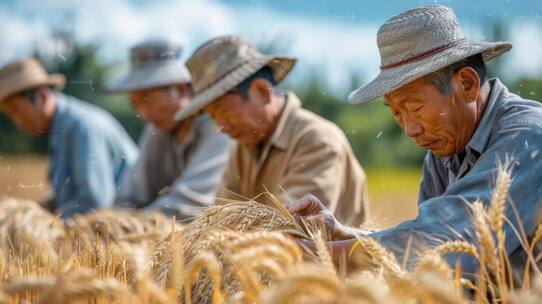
(373, 134)
(86, 78)
(375, 138)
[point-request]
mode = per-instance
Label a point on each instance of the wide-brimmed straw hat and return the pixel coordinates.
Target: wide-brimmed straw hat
(26, 74)
(419, 42)
(153, 64)
(223, 63)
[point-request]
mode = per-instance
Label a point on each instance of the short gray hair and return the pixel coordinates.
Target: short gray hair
(442, 79)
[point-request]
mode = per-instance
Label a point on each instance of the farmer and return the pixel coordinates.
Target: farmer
(434, 83)
(280, 147)
(89, 150)
(180, 164)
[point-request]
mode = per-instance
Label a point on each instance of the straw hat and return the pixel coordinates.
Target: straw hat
(221, 64)
(419, 42)
(153, 64)
(25, 74)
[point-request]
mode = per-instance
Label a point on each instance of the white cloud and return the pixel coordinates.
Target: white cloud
(125, 25)
(331, 46)
(327, 45)
(527, 46)
(18, 36)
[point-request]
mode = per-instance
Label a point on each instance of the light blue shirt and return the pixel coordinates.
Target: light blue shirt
(511, 128)
(89, 153)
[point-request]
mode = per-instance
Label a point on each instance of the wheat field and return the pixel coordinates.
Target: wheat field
(242, 252)
(25, 176)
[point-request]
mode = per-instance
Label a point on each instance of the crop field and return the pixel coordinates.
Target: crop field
(392, 192)
(241, 252)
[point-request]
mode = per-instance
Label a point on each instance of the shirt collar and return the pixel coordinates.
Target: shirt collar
(480, 138)
(284, 130)
(58, 117)
(192, 136)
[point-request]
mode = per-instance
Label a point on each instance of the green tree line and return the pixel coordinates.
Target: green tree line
(375, 138)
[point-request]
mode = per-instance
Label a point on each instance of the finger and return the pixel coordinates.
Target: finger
(308, 204)
(315, 218)
(299, 206)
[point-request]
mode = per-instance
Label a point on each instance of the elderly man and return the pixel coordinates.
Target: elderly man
(89, 150)
(280, 147)
(434, 83)
(180, 165)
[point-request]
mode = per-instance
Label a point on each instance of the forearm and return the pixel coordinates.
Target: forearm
(344, 232)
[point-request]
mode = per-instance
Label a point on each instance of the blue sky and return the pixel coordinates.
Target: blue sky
(381, 10)
(333, 38)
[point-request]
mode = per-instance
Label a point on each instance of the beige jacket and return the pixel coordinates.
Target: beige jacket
(306, 154)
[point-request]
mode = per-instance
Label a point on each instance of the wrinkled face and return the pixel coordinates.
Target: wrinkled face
(440, 123)
(159, 105)
(244, 120)
(26, 115)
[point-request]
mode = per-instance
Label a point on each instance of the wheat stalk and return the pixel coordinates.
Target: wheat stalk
(457, 247)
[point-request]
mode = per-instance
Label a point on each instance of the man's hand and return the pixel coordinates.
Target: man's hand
(309, 209)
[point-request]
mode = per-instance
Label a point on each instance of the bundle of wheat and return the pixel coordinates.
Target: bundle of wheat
(200, 236)
(68, 287)
(239, 253)
(119, 225)
(248, 262)
(113, 234)
(25, 227)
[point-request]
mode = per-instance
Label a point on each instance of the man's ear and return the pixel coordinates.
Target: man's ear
(261, 89)
(468, 83)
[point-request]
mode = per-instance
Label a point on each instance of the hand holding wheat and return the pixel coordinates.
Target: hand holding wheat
(309, 211)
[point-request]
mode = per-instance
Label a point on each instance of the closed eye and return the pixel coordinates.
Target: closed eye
(417, 109)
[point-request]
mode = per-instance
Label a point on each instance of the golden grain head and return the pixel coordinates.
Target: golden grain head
(242, 252)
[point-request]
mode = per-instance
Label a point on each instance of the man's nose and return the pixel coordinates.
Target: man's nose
(412, 128)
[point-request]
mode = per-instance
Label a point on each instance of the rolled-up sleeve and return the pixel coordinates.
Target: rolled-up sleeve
(447, 217)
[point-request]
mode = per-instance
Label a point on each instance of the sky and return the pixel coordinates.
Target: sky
(331, 38)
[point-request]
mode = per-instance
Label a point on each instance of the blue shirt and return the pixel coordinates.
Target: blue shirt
(511, 128)
(89, 153)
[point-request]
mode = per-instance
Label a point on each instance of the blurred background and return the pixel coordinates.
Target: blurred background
(334, 41)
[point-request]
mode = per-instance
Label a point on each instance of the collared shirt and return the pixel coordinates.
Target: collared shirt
(509, 132)
(176, 178)
(89, 153)
(305, 154)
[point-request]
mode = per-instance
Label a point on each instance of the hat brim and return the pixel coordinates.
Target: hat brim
(56, 81)
(280, 66)
(151, 76)
(392, 79)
